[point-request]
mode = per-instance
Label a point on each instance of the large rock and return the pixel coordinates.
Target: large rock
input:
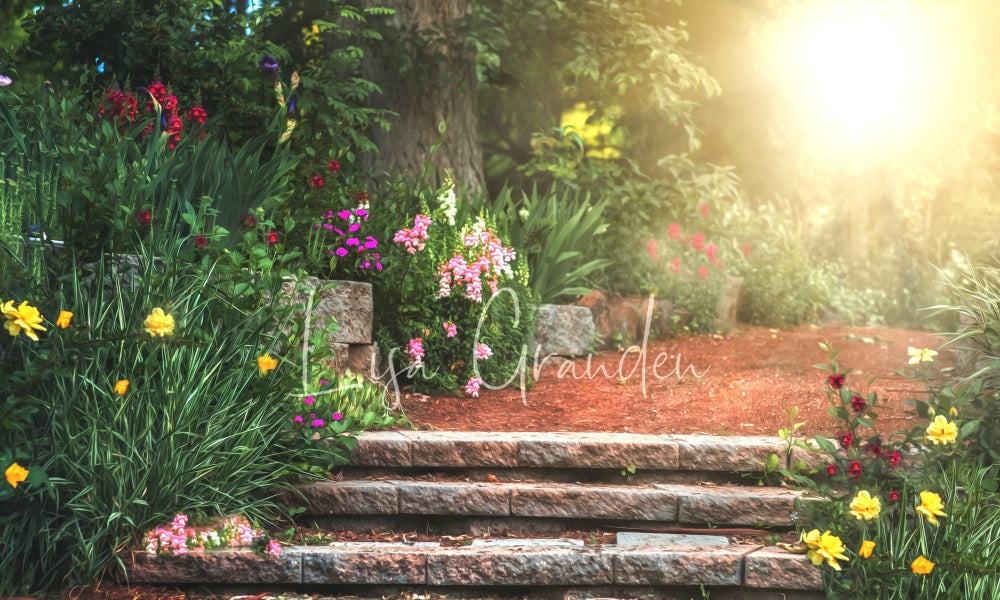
(563, 330)
(349, 303)
(622, 321)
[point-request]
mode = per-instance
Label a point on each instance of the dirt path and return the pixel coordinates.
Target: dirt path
(739, 384)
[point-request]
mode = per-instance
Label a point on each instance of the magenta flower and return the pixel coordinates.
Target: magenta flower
(336, 416)
(309, 400)
(317, 423)
(342, 252)
(297, 418)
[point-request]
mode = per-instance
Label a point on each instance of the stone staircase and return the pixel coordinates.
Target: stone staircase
(493, 512)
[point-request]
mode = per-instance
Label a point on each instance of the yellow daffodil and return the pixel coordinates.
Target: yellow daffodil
(824, 547)
(64, 318)
(266, 363)
(922, 566)
(931, 506)
(16, 474)
(867, 547)
(158, 323)
(121, 387)
(23, 319)
(864, 506)
(941, 431)
(920, 355)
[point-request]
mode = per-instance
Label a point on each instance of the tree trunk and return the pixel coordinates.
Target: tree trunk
(427, 76)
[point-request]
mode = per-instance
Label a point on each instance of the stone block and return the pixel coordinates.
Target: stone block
(351, 498)
(381, 449)
(563, 330)
(435, 498)
(216, 567)
(463, 449)
(714, 566)
(638, 538)
(726, 453)
(365, 564)
(349, 303)
(533, 543)
(593, 502)
(776, 569)
(597, 451)
(734, 505)
(508, 567)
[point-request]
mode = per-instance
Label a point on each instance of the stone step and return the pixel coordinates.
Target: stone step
(564, 450)
(661, 503)
(613, 569)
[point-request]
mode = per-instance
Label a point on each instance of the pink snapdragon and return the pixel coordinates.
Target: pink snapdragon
(483, 352)
(491, 262)
(273, 548)
(698, 241)
(414, 238)
(450, 330)
(472, 387)
(415, 348)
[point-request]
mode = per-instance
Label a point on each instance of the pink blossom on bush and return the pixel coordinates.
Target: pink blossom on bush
(472, 387)
(698, 241)
(450, 329)
(415, 348)
(483, 352)
(414, 238)
(674, 231)
(273, 548)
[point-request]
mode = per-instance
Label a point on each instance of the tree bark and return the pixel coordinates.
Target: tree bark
(439, 84)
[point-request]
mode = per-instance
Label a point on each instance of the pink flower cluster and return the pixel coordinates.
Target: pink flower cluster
(450, 329)
(492, 260)
(483, 352)
(414, 238)
(472, 387)
(696, 241)
(178, 539)
(415, 348)
(350, 240)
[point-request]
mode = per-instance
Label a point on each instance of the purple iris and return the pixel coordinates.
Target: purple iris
(4, 80)
(291, 105)
(270, 67)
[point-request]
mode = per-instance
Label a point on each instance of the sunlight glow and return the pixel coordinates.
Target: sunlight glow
(861, 69)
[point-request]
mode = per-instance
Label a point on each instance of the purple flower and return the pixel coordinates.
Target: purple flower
(308, 399)
(324, 382)
(297, 418)
(344, 215)
(336, 416)
(5, 81)
(270, 67)
(291, 105)
(353, 242)
(341, 252)
(362, 213)
(370, 243)
(317, 423)
(354, 227)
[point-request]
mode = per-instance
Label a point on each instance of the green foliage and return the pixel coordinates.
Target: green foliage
(200, 426)
(555, 232)
(905, 473)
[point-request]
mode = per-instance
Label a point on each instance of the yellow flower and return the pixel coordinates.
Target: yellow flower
(953, 411)
(64, 318)
(865, 507)
(940, 431)
(158, 323)
(918, 355)
(266, 363)
(824, 547)
(24, 318)
(922, 566)
(16, 474)
(931, 506)
(866, 549)
(121, 387)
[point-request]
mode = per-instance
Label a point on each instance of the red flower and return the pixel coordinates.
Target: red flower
(174, 125)
(894, 495)
(334, 166)
(651, 248)
(317, 181)
(836, 381)
(158, 91)
(674, 231)
(846, 439)
(895, 458)
(171, 104)
(698, 241)
(831, 470)
(200, 241)
(875, 448)
(854, 469)
(144, 217)
(272, 238)
(248, 222)
(746, 250)
(703, 272)
(361, 197)
(198, 115)
(704, 210)
(858, 403)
